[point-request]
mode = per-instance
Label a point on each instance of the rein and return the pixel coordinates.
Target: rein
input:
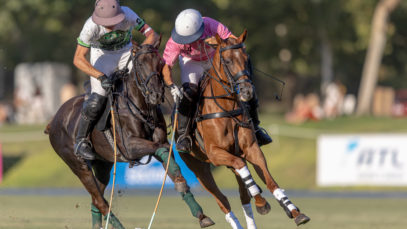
(146, 116)
(231, 91)
(140, 81)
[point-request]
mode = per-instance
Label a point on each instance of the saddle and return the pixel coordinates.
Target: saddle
(103, 124)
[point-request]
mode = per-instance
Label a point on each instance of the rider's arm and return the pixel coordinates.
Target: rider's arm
(167, 75)
(151, 38)
(170, 55)
(140, 25)
(81, 62)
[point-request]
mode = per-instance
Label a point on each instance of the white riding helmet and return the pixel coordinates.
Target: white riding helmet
(189, 27)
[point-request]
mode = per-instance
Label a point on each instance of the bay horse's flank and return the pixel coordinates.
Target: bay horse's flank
(141, 131)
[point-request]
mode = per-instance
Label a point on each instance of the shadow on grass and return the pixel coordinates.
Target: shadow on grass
(9, 162)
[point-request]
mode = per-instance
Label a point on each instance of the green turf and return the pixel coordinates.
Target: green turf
(67, 212)
(291, 157)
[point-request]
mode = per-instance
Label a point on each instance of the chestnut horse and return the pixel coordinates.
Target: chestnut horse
(226, 133)
(140, 128)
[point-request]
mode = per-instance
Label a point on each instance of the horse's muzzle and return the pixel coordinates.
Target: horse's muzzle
(155, 98)
(245, 91)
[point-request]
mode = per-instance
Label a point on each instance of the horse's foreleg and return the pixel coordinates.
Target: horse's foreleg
(219, 156)
(262, 206)
(205, 178)
(181, 186)
(245, 200)
(255, 156)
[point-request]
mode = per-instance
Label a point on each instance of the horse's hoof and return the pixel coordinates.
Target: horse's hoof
(263, 210)
(206, 222)
(301, 219)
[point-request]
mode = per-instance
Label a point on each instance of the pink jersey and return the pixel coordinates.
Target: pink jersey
(196, 50)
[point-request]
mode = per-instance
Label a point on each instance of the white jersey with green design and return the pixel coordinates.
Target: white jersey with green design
(96, 36)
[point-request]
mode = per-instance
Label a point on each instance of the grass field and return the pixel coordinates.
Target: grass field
(68, 212)
(31, 162)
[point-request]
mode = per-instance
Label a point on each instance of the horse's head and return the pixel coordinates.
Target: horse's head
(147, 66)
(232, 62)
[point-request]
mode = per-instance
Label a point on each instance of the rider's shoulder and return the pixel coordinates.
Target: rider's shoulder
(127, 10)
(90, 25)
(209, 20)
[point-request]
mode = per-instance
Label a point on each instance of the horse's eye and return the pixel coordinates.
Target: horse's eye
(228, 61)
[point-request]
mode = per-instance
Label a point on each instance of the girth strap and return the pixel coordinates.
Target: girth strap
(219, 115)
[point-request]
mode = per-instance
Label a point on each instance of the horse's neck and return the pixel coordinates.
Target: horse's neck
(135, 95)
(214, 88)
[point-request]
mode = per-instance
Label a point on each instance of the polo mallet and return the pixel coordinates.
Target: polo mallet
(174, 128)
(115, 156)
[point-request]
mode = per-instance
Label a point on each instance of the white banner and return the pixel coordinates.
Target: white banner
(370, 159)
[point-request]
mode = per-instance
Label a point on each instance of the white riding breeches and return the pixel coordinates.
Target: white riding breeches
(108, 62)
(191, 70)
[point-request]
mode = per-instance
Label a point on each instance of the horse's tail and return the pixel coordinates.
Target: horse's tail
(46, 131)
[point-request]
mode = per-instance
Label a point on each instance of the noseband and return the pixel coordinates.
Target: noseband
(234, 80)
(141, 81)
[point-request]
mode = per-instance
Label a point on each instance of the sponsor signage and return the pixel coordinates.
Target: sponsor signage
(368, 159)
(150, 175)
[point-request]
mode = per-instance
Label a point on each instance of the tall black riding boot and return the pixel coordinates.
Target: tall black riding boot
(90, 113)
(262, 137)
(187, 108)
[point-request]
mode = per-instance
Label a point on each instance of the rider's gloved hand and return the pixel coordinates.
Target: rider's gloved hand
(106, 83)
(175, 92)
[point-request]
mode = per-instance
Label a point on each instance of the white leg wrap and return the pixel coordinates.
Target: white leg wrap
(233, 221)
(248, 214)
(247, 179)
(279, 194)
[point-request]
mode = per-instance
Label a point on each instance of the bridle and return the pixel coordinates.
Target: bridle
(142, 82)
(148, 116)
(234, 80)
(232, 89)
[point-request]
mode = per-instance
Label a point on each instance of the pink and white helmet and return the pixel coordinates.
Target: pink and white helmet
(107, 13)
(189, 27)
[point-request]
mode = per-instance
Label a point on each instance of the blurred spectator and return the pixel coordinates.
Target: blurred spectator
(349, 104)
(305, 108)
(21, 102)
(29, 108)
(6, 113)
(333, 102)
(37, 108)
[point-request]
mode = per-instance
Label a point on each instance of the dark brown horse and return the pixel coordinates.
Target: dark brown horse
(225, 133)
(140, 131)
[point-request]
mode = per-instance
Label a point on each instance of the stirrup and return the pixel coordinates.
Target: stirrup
(263, 138)
(80, 153)
(181, 138)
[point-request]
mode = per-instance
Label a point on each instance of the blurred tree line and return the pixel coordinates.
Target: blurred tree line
(307, 43)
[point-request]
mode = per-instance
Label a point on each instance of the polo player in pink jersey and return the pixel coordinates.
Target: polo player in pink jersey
(187, 44)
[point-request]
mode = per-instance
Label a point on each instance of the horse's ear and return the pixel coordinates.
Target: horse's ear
(157, 42)
(242, 37)
(211, 41)
(136, 46)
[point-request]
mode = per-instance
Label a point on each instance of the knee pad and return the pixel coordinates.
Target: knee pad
(93, 106)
